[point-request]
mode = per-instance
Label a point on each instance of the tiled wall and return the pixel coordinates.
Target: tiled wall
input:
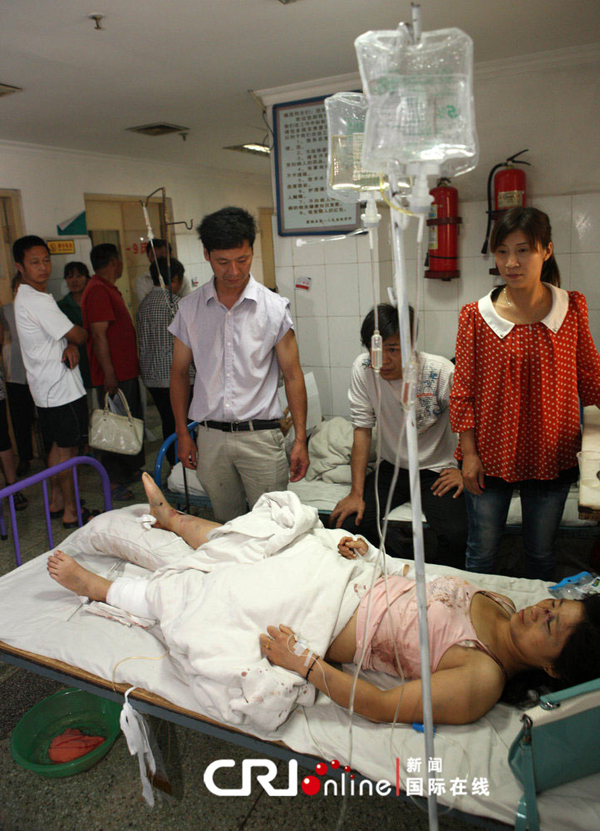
(328, 316)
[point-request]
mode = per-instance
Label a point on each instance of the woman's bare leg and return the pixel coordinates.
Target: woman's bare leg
(192, 529)
(67, 571)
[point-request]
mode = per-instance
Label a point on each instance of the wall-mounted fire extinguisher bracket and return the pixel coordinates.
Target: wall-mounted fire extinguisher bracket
(443, 222)
(508, 187)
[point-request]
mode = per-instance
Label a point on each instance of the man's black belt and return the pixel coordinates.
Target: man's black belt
(241, 426)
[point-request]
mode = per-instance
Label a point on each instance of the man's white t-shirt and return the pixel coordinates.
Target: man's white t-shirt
(42, 328)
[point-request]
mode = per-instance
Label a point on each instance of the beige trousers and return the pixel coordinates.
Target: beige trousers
(235, 469)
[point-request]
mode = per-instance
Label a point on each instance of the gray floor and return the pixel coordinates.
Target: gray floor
(108, 797)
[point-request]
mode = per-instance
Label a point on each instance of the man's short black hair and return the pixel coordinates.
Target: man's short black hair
(24, 244)
(157, 243)
(177, 270)
(389, 324)
(228, 228)
(103, 254)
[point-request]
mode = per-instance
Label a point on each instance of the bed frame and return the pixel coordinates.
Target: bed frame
(143, 700)
(9, 493)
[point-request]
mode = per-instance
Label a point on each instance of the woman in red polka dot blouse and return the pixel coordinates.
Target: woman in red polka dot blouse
(524, 359)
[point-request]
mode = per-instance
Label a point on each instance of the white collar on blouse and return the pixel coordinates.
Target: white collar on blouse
(553, 320)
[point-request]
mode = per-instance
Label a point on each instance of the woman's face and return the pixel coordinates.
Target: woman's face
(540, 632)
(519, 263)
(76, 282)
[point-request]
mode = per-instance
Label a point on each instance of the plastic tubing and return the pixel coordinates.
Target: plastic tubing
(399, 223)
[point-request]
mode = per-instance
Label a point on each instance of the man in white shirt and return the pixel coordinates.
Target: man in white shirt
(377, 400)
(49, 345)
(240, 335)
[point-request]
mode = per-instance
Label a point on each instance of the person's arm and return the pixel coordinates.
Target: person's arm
(295, 390)
(359, 459)
(71, 355)
(459, 695)
(180, 396)
(99, 332)
(473, 473)
(77, 335)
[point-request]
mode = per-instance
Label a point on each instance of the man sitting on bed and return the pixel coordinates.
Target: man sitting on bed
(441, 480)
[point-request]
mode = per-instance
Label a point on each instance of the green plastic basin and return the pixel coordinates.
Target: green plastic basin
(95, 716)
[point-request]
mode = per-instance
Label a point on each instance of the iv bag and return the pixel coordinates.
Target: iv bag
(346, 177)
(420, 98)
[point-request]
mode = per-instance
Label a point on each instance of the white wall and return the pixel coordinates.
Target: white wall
(328, 316)
(53, 182)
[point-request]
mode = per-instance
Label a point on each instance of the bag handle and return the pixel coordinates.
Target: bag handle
(123, 402)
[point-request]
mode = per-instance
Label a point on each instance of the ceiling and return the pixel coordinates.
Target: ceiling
(192, 63)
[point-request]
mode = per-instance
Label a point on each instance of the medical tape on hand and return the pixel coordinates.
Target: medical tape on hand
(298, 648)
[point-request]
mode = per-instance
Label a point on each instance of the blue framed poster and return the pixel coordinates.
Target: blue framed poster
(303, 204)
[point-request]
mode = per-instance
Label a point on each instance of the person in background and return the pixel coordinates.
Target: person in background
(440, 479)
(155, 250)
(525, 358)
(20, 402)
(76, 276)
(49, 344)
(113, 356)
(155, 314)
(239, 335)
(7, 458)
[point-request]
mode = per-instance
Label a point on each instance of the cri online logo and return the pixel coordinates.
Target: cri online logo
(310, 785)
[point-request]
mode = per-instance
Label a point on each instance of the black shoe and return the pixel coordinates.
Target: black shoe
(21, 502)
(22, 468)
(85, 518)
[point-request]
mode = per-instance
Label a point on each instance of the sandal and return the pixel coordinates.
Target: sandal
(121, 493)
(58, 514)
(85, 518)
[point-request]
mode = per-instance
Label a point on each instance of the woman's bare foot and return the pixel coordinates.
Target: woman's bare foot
(159, 507)
(68, 573)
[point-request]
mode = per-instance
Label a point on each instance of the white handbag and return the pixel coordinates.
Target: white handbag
(116, 433)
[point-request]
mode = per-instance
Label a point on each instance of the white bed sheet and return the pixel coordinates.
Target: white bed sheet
(39, 616)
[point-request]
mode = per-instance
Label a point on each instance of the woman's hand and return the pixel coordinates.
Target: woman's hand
(278, 646)
(348, 547)
(473, 474)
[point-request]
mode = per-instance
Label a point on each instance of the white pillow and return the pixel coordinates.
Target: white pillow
(121, 534)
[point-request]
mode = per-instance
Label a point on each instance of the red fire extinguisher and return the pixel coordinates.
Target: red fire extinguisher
(509, 187)
(443, 225)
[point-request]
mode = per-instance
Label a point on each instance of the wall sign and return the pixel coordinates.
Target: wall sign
(303, 205)
(61, 246)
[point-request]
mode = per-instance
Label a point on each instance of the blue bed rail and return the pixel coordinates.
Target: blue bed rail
(9, 491)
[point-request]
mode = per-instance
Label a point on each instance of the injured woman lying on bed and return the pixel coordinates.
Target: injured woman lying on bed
(478, 641)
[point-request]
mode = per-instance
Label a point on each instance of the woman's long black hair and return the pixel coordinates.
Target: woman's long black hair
(535, 224)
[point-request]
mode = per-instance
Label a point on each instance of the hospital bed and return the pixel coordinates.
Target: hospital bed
(49, 631)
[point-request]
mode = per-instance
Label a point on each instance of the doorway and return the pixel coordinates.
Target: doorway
(120, 220)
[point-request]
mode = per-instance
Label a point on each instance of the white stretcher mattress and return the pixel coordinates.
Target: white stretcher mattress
(39, 616)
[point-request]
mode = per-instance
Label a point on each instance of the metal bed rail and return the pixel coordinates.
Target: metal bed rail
(9, 491)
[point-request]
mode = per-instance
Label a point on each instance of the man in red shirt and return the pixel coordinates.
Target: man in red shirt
(113, 354)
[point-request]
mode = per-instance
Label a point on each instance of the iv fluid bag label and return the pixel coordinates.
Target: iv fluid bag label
(417, 118)
(346, 172)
